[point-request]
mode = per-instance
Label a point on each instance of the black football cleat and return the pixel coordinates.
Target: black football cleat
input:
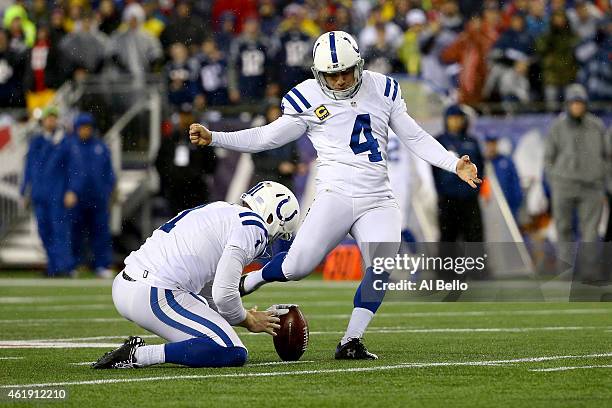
(123, 357)
(354, 349)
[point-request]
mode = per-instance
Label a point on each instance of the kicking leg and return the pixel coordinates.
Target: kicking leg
(378, 234)
(326, 224)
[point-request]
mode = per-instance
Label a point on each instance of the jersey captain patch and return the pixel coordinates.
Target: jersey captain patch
(321, 112)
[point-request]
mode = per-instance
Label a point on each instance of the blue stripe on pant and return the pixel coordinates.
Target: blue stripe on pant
(201, 351)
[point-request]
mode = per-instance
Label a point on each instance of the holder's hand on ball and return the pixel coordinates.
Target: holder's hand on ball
(199, 135)
(259, 322)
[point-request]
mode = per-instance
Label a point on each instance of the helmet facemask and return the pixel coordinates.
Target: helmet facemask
(340, 94)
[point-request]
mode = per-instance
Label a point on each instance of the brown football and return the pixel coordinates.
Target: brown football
(291, 339)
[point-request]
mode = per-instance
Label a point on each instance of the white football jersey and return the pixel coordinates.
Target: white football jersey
(184, 252)
(350, 135)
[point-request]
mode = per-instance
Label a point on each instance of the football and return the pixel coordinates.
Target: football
(291, 339)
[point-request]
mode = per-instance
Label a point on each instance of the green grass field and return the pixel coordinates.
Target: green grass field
(432, 354)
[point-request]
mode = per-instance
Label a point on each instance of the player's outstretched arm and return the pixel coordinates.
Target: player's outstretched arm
(278, 133)
(429, 149)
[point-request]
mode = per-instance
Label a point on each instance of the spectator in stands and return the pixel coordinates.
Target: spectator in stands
(182, 166)
(379, 56)
(369, 35)
(506, 174)
(155, 21)
(537, 19)
(85, 47)
(595, 72)
(343, 20)
(242, 10)
(249, 64)
(515, 44)
(108, 17)
(56, 27)
(22, 32)
(514, 85)
(584, 18)
(458, 208)
(470, 50)
(184, 27)
(575, 161)
(39, 13)
(279, 164)
(34, 185)
(437, 36)
(178, 77)
(294, 57)
(269, 17)
(92, 212)
(400, 17)
(12, 68)
(211, 73)
(133, 50)
(226, 34)
(44, 70)
(409, 52)
(556, 51)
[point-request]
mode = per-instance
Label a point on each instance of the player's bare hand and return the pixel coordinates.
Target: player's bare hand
(199, 135)
(467, 171)
(70, 199)
(261, 322)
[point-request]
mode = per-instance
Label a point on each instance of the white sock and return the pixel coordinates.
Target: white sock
(360, 319)
(253, 280)
(149, 355)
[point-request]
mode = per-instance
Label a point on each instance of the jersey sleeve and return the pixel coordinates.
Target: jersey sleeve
(283, 130)
(414, 136)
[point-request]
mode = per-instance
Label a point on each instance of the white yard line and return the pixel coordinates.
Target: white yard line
(58, 308)
(309, 372)
(344, 316)
(50, 299)
(271, 363)
(570, 368)
(86, 342)
(53, 320)
(11, 358)
(478, 313)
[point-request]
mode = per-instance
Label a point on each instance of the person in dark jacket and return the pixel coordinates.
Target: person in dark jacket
(33, 186)
(52, 179)
(506, 174)
(182, 166)
(458, 207)
(91, 215)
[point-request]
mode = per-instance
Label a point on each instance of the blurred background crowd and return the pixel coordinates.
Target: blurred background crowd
(229, 62)
(220, 52)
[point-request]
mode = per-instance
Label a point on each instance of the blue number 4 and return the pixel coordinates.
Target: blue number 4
(167, 227)
(362, 123)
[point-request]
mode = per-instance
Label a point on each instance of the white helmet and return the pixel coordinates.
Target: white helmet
(337, 51)
(277, 206)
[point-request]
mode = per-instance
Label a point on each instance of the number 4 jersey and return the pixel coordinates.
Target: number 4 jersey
(350, 135)
(184, 252)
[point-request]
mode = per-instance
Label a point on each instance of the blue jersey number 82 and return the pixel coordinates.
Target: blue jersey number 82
(362, 123)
